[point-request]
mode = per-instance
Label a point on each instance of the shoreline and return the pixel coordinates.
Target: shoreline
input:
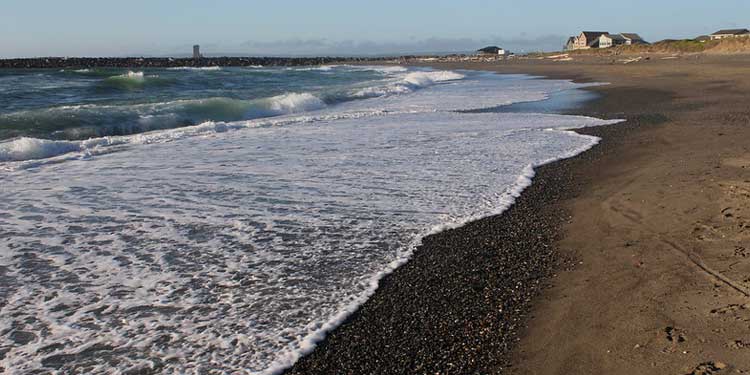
(440, 313)
(526, 230)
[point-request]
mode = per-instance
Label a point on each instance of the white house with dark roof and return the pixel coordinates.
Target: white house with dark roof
(730, 33)
(611, 40)
(570, 44)
(633, 38)
(588, 39)
(602, 39)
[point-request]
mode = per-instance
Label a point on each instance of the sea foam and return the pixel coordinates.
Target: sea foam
(31, 148)
(143, 258)
(405, 92)
(408, 83)
(295, 103)
(154, 237)
(198, 68)
(109, 124)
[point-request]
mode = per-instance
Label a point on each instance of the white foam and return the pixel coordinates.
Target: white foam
(130, 79)
(31, 148)
(327, 211)
(423, 79)
(412, 92)
(383, 69)
(408, 83)
(163, 115)
(295, 103)
(147, 249)
(24, 153)
(203, 68)
(386, 70)
(321, 68)
(133, 75)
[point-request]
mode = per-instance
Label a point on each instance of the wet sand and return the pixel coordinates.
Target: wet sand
(633, 257)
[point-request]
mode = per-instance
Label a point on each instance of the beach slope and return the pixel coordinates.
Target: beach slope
(630, 258)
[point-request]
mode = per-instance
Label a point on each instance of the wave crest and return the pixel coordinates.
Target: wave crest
(295, 103)
(409, 83)
(128, 81)
(32, 148)
(87, 128)
(206, 68)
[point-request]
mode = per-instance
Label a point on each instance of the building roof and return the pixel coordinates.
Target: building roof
(615, 37)
(732, 32)
(631, 36)
(572, 39)
(593, 34)
(490, 49)
(703, 38)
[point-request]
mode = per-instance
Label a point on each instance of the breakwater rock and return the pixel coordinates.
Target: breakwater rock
(168, 62)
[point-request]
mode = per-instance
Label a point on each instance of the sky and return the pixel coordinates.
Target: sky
(30, 28)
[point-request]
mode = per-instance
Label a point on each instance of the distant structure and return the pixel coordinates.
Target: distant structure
(570, 44)
(611, 40)
(602, 39)
(730, 33)
(492, 51)
(197, 52)
(633, 38)
(588, 39)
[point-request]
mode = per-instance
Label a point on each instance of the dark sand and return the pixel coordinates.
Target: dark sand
(631, 258)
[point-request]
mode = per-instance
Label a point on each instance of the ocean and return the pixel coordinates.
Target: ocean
(222, 220)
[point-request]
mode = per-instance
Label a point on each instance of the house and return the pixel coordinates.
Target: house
(702, 38)
(588, 39)
(610, 40)
(602, 39)
(570, 44)
(493, 51)
(633, 38)
(731, 33)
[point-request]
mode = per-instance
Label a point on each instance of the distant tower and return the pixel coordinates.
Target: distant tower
(197, 52)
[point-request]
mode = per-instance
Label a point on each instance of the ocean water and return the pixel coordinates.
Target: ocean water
(222, 220)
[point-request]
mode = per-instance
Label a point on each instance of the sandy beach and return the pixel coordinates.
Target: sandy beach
(629, 258)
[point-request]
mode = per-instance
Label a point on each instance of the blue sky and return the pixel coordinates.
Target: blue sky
(139, 27)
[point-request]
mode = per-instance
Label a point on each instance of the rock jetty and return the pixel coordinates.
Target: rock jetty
(167, 62)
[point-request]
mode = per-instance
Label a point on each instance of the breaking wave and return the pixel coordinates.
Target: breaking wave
(205, 68)
(128, 81)
(31, 148)
(100, 120)
(25, 149)
(409, 83)
(90, 129)
(93, 120)
(354, 68)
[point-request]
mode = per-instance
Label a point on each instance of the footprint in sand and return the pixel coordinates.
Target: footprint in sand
(708, 368)
(674, 335)
(730, 309)
(738, 344)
